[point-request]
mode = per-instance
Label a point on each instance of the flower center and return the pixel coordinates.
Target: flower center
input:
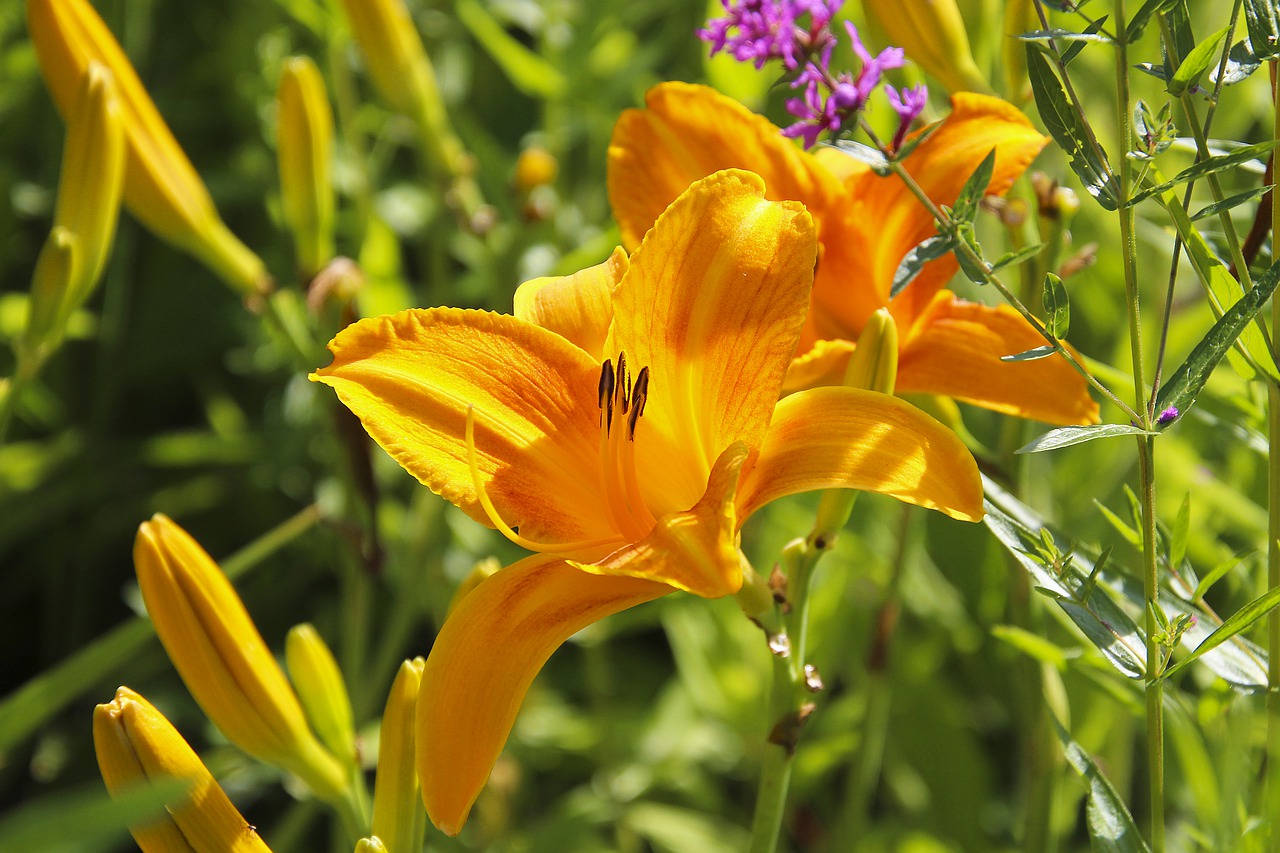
(621, 396)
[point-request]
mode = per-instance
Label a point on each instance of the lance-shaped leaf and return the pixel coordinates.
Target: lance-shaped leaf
(1057, 307)
(1209, 166)
(914, 261)
(1184, 386)
(1138, 23)
(971, 194)
(1111, 827)
(1196, 63)
(1263, 21)
(1067, 127)
(1239, 622)
(1056, 439)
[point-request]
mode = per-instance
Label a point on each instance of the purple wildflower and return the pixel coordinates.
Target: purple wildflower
(908, 104)
(1168, 415)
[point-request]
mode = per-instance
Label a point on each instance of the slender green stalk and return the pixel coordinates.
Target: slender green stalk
(1272, 792)
(1146, 444)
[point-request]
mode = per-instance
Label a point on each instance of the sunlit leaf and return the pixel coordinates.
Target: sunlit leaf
(1066, 436)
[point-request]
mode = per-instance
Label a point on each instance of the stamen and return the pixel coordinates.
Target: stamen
(623, 399)
(604, 394)
(492, 512)
(639, 395)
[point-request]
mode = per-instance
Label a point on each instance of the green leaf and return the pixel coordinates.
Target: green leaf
(1196, 63)
(1031, 644)
(1111, 827)
(1138, 23)
(1209, 166)
(1031, 354)
(66, 822)
(526, 70)
(1063, 35)
(1185, 385)
(1010, 259)
(1068, 129)
(913, 262)
(1239, 622)
(1127, 531)
(970, 198)
(1230, 202)
(1074, 50)
(1263, 21)
(1067, 436)
(1057, 307)
(1218, 572)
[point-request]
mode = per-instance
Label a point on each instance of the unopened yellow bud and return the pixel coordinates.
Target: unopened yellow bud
(933, 35)
(87, 209)
(223, 659)
(304, 148)
(874, 364)
(372, 844)
(161, 188)
(57, 270)
(399, 818)
(323, 692)
(535, 167)
(135, 745)
(482, 569)
(402, 72)
(1019, 17)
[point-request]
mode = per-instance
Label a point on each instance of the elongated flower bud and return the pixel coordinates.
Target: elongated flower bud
(56, 273)
(322, 691)
(372, 844)
(304, 148)
(932, 33)
(402, 72)
(399, 818)
(161, 188)
(874, 364)
(135, 745)
(220, 655)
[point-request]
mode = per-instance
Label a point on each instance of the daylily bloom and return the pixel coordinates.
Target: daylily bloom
(627, 421)
(866, 224)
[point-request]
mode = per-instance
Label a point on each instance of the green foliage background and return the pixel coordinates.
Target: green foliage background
(645, 732)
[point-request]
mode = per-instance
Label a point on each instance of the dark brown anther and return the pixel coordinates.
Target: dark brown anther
(639, 395)
(623, 389)
(604, 394)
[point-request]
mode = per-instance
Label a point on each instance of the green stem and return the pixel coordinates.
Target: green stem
(945, 226)
(1154, 685)
(1272, 792)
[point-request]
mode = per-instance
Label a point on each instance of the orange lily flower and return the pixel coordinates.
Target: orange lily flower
(866, 225)
(630, 485)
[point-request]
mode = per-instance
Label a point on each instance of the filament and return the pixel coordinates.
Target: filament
(496, 520)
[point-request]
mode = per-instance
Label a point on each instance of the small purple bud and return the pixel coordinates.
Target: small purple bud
(1168, 415)
(908, 104)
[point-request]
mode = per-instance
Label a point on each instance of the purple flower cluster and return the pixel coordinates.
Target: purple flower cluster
(758, 31)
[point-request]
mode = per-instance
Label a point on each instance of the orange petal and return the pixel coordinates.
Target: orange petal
(955, 350)
(577, 307)
(824, 363)
(696, 551)
(884, 220)
(840, 437)
(713, 304)
(488, 652)
(687, 132)
(410, 377)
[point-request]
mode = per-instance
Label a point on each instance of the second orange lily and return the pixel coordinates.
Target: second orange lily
(627, 421)
(866, 225)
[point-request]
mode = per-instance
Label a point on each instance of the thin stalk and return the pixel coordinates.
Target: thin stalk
(947, 227)
(1272, 793)
(1146, 444)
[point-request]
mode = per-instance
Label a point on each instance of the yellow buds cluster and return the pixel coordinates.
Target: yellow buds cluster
(399, 818)
(304, 148)
(223, 659)
(933, 35)
(161, 187)
(135, 745)
(323, 692)
(402, 72)
(84, 220)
